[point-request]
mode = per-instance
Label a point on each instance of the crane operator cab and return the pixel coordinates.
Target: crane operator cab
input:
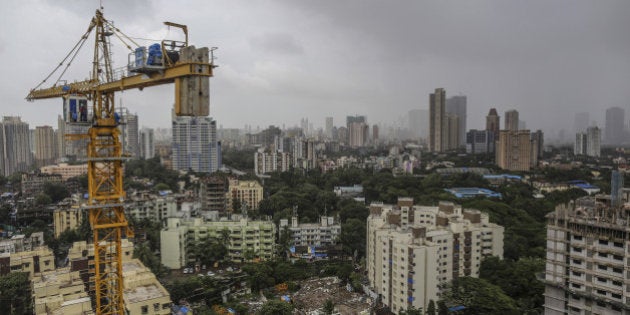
(75, 109)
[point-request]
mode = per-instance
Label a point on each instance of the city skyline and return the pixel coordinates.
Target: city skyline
(285, 60)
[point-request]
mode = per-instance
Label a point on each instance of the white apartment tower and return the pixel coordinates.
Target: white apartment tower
(587, 258)
(195, 145)
(129, 134)
(326, 232)
(588, 143)
(411, 250)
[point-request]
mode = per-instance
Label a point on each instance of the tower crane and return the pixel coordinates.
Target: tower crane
(170, 61)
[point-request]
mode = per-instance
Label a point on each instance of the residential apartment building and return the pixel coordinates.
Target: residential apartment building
(21, 243)
(33, 184)
(587, 259)
(247, 193)
(255, 237)
(146, 206)
(493, 121)
(411, 250)
(45, 145)
(15, 146)
(588, 143)
(67, 216)
(479, 142)
(65, 170)
(266, 161)
(358, 131)
(146, 143)
(325, 232)
(63, 291)
(511, 120)
(615, 131)
(60, 291)
(37, 259)
(456, 105)
(437, 121)
(195, 145)
(129, 134)
(212, 192)
(514, 150)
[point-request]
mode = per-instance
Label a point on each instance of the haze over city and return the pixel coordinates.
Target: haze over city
(280, 61)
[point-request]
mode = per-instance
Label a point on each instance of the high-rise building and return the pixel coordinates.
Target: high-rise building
(614, 128)
(616, 188)
(212, 192)
(146, 143)
(412, 250)
(514, 150)
(511, 120)
(437, 121)
(45, 146)
(342, 135)
(452, 131)
(269, 161)
(538, 144)
(195, 145)
(581, 122)
(493, 121)
(329, 127)
(129, 136)
(419, 123)
(375, 134)
(588, 143)
(457, 105)
(593, 141)
(479, 141)
(249, 193)
(579, 148)
(15, 149)
(586, 269)
(358, 131)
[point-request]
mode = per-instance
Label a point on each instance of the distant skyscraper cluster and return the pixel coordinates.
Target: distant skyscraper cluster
(447, 121)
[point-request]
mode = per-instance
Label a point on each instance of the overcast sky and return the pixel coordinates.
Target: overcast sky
(283, 60)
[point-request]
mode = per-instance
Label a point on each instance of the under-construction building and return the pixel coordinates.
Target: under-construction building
(588, 257)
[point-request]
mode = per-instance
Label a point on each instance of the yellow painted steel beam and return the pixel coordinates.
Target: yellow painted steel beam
(138, 81)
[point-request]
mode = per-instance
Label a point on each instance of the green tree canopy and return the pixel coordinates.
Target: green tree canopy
(353, 237)
(478, 296)
(276, 307)
(15, 293)
(56, 192)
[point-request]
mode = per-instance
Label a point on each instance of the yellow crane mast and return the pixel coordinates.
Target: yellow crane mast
(171, 61)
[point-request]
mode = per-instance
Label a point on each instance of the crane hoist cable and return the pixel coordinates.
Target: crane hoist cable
(78, 45)
(119, 33)
(70, 62)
